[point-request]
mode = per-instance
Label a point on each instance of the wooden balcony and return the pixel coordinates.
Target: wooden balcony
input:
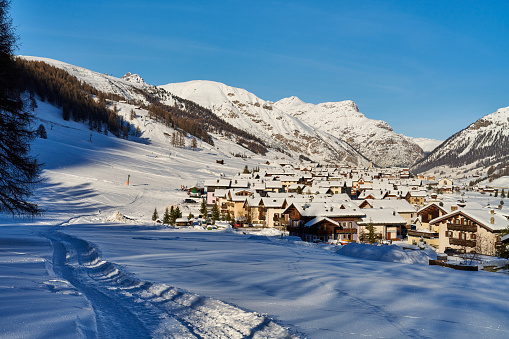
(462, 228)
(347, 231)
(425, 235)
(462, 242)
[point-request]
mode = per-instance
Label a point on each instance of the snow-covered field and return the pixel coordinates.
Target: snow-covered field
(76, 272)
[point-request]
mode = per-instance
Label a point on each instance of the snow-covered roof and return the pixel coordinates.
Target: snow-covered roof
(320, 219)
(387, 216)
(487, 218)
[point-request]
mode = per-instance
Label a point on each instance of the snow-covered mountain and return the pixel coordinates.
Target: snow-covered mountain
(480, 145)
(375, 139)
(264, 119)
(427, 145)
(129, 86)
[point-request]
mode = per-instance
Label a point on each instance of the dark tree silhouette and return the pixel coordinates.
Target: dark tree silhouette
(19, 172)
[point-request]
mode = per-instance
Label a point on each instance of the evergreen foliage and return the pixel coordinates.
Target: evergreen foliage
(215, 213)
(203, 208)
(155, 215)
(166, 217)
(371, 233)
(19, 171)
(40, 132)
(246, 170)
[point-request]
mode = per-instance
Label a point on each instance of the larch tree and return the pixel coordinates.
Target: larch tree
(19, 171)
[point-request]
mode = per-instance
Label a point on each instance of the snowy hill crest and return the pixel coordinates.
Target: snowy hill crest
(481, 144)
(264, 119)
(373, 138)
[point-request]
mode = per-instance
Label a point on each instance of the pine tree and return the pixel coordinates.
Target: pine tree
(371, 233)
(155, 215)
(246, 170)
(19, 172)
(166, 218)
(502, 195)
(203, 209)
(41, 132)
(194, 144)
(172, 216)
(215, 213)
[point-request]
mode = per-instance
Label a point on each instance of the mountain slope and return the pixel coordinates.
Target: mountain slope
(427, 145)
(373, 138)
(277, 129)
(481, 144)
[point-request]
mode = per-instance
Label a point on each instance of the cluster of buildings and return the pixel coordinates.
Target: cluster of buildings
(339, 204)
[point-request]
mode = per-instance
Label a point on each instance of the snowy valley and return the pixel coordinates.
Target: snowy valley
(95, 265)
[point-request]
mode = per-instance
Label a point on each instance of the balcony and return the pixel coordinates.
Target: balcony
(426, 235)
(462, 242)
(347, 231)
(462, 228)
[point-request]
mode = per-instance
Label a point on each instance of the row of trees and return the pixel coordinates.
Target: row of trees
(170, 216)
(76, 98)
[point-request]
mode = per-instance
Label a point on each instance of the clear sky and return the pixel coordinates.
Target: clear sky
(428, 68)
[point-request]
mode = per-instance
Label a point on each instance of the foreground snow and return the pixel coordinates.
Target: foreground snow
(72, 273)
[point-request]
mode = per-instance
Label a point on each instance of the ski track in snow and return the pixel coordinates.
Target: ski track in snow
(128, 307)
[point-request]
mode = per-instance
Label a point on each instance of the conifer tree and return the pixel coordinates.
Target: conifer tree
(155, 215)
(19, 171)
(215, 213)
(166, 218)
(203, 208)
(41, 132)
(246, 170)
(371, 233)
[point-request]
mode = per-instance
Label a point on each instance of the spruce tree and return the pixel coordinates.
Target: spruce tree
(215, 213)
(41, 132)
(246, 170)
(166, 218)
(19, 171)
(371, 233)
(172, 216)
(155, 215)
(203, 209)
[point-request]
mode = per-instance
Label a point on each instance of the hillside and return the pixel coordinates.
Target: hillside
(264, 119)
(479, 146)
(375, 139)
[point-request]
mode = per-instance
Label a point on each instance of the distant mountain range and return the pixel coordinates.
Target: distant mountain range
(334, 131)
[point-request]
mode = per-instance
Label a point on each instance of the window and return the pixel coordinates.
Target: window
(448, 234)
(472, 236)
(463, 236)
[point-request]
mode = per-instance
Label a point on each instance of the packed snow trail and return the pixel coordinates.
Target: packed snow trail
(127, 307)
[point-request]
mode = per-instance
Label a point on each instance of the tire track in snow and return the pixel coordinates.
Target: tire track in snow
(128, 307)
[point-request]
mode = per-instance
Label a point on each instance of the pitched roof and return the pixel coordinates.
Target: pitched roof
(386, 216)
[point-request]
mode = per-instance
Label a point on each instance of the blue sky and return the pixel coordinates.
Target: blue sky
(428, 68)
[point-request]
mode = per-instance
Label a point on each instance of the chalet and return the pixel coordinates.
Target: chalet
(470, 230)
(387, 222)
(274, 211)
(182, 222)
(212, 185)
(416, 197)
(343, 228)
